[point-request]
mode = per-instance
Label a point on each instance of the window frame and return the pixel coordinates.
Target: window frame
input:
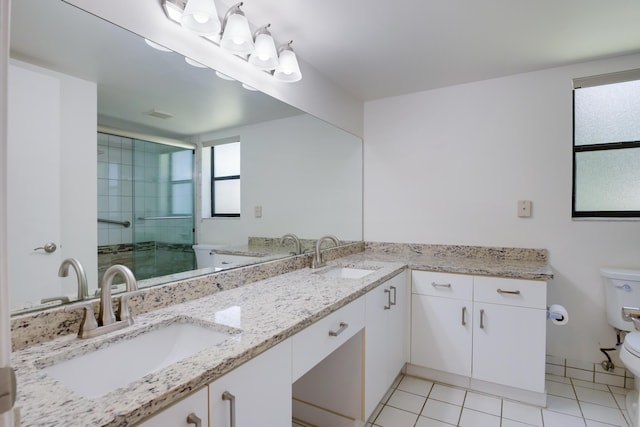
(214, 179)
(581, 83)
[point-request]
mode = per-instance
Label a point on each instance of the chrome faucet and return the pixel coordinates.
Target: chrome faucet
(296, 241)
(107, 319)
(63, 271)
(318, 261)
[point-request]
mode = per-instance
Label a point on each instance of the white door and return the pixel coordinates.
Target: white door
(508, 345)
(33, 196)
(441, 334)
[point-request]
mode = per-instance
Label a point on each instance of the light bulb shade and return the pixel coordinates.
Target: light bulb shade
(236, 37)
(288, 69)
(201, 17)
(265, 55)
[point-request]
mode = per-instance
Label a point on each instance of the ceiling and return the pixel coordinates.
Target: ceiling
(377, 49)
(372, 49)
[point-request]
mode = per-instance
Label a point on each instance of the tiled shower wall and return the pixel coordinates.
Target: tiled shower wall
(130, 189)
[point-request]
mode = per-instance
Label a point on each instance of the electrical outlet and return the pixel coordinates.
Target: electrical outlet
(524, 208)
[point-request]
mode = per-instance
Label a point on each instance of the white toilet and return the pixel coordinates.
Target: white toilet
(622, 289)
(204, 255)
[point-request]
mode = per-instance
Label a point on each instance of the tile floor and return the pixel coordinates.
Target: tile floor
(413, 402)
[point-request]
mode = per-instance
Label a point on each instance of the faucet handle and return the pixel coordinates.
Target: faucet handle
(88, 323)
(124, 310)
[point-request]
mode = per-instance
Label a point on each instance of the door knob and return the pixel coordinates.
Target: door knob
(48, 248)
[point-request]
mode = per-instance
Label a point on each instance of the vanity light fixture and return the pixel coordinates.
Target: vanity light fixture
(236, 34)
(201, 17)
(247, 87)
(224, 76)
(194, 63)
(265, 55)
(157, 46)
(288, 68)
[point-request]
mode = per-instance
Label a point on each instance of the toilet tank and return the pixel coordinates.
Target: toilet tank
(204, 254)
(621, 289)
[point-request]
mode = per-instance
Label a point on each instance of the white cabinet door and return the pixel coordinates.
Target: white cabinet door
(441, 334)
(509, 345)
(386, 329)
(185, 413)
(261, 390)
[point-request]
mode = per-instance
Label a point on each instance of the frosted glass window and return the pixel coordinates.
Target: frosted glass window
(227, 197)
(225, 180)
(606, 149)
(181, 165)
(182, 198)
(226, 159)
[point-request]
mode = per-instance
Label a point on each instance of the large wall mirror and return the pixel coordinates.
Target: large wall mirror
(112, 143)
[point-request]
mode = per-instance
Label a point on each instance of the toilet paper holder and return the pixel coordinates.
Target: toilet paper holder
(557, 314)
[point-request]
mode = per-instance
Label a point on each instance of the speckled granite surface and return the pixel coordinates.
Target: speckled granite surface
(262, 313)
(518, 263)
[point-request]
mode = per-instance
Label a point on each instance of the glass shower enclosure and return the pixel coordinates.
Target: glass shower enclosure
(145, 206)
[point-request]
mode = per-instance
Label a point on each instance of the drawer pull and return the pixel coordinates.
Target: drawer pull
(393, 288)
(194, 419)
(388, 306)
(482, 319)
(440, 285)
(343, 326)
(464, 312)
(232, 407)
(502, 291)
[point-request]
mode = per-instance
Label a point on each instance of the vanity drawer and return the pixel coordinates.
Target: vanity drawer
(458, 286)
(315, 343)
(516, 292)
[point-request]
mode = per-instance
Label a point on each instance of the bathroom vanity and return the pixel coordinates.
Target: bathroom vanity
(321, 344)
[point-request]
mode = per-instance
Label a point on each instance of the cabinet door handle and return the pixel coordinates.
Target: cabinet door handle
(194, 419)
(440, 285)
(232, 407)
(343, 326)
(388, 306)
(393, 288)
(464, 312)
(502, 291)
(482, 319)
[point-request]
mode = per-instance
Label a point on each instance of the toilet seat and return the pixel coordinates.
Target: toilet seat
(632, 343)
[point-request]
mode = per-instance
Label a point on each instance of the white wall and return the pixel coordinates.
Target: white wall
(306, 175)
(447, 166)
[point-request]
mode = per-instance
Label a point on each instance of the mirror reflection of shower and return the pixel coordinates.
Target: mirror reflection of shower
(145, 206)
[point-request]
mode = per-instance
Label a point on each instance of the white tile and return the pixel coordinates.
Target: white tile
(580, 364)
(554, 370)
(618, 371)
(563, 405)
(407, 401)
(602, 413)
(558, 378)
(415, 386)
(392, 417)
(428, 422)
(580, 374)
(471, 418)
(531, 415)
(483, 403)
(599, 397)
(441, 411)
(589, 384)
(609, 379)
(512, 423)
(618, 390)
(591, 423)
(560, 389)
(554, 360)
(447, 394)
(376, 412)
(555, 419)
(621, 400)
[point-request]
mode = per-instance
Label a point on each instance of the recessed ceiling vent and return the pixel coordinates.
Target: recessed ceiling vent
(159, 114)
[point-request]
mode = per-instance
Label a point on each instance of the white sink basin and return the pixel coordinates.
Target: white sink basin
(106, 369)
(347, 273)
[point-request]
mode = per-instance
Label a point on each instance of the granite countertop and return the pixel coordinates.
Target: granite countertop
(258, 315)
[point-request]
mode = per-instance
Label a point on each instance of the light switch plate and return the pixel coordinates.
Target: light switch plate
(258, 211)
(524, 208)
